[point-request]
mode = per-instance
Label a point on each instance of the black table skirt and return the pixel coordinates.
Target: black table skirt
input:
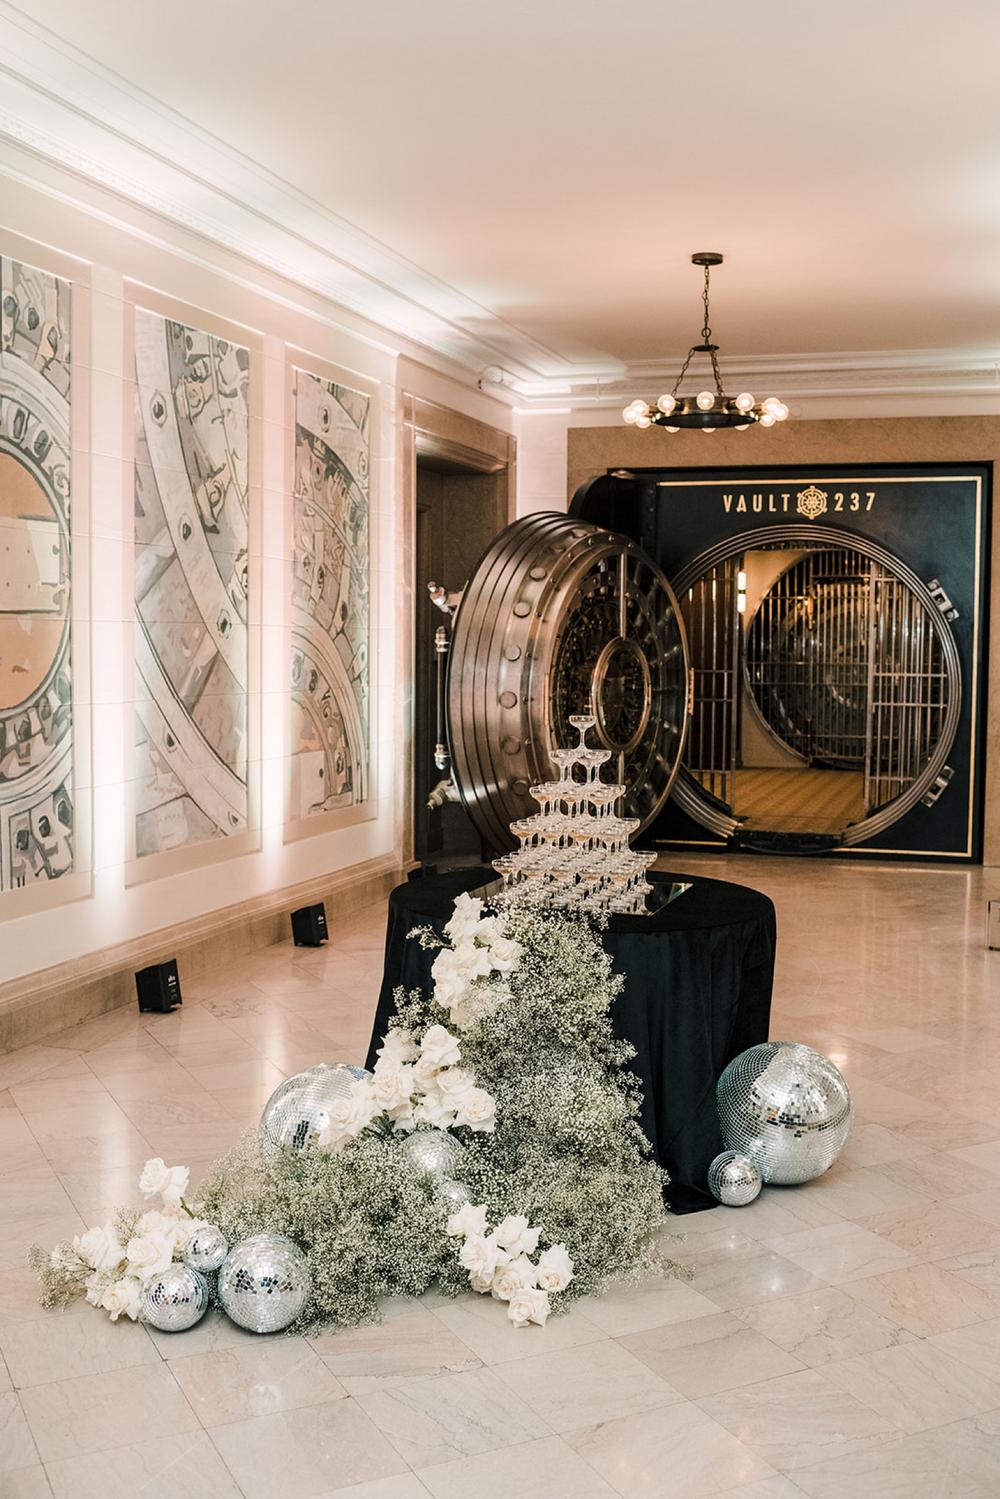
(697, 992)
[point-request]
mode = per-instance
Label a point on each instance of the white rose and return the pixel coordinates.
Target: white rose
(555, 1269)
(345, 1119)
(453, 1083)
(403, 1119)
(169, 1181)
(529, 1305)
(392, 1085)
(465, 918)
(149, 1255)
(123, 1296)
(516, 1275)
(505, 954)
(477, 1111)
(99, 1248)
(177, 1230)
(480, 1255)
(468, 1220)
(439, 1048)
(449, 976)
(473, 962)
(514, 1235)
(155, 1176)
(481, 1283)
(434, 1109)
(398, 1044)
(96, 1285)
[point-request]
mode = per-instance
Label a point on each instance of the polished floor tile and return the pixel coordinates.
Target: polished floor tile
(841, 1338)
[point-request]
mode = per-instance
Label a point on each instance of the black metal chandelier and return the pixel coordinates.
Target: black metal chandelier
(709, 409)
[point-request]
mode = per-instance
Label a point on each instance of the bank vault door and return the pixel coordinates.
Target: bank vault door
(826, 692)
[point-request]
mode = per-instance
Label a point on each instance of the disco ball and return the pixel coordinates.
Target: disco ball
(454, 1195)
(206, 1249)
(435, 1151)
(264, 1283)
(733, 1180)
(786, 1108)
(175, 1299)
(297, 1110)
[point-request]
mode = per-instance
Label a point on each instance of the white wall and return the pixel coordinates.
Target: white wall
(111, 243)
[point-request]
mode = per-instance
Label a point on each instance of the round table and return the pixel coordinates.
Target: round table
(697, 992)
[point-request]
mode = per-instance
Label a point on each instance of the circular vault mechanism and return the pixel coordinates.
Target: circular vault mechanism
(563, 617)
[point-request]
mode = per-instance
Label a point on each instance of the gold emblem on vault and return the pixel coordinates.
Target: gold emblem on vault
(811, 502)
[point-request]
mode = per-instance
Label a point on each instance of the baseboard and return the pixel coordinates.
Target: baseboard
(39, 1004)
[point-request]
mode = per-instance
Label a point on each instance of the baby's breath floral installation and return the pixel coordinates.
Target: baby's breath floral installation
(513, 1054)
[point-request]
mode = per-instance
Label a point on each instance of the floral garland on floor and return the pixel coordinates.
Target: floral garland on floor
(526, 1075)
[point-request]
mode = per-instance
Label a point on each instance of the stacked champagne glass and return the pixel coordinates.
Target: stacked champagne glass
(575, 851)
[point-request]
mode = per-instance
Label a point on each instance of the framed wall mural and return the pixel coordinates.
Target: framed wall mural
(330, 719)
(37, 842)
(191, 564)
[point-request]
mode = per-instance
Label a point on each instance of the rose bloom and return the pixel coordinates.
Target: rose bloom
(465, 918)
(177, 1230)
(529, 1305)
(149, 1255)
(555, 1269)
(506, 954)
(169, 1181)
(516, 1275)
(514, 1235)
(468, 1220)
(480, 1256)
(453, 1083)
(123, 1296)
(99, 1248)
(477, 1111)
(392, 1084)
(434, 1109)
(439, 1048)
(399, 1044)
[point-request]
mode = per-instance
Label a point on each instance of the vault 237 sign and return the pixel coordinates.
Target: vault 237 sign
(811, 502)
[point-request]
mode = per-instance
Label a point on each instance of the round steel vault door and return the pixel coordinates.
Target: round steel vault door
(563, 617)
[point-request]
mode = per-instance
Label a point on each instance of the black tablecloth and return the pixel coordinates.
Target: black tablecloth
(697, 992)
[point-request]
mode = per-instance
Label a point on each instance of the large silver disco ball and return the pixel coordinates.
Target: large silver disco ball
(733, 1180)
(435, 1151)
(264, 1283)
(175, 1299)
(787, 1108)
(206, 1249)
(297, 1111)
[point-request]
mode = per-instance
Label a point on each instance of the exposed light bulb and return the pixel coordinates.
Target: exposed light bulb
(766, 419)
(645, 421)
(772, 405)
(782, 413)
(742, 427)
(671, 429)
(666, 404)
(744, 401)
(628, 414)
(706, 400)
(708, 429)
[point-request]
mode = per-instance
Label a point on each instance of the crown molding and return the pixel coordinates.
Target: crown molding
(63, 109)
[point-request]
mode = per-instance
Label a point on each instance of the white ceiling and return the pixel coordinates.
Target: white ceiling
(535, 173)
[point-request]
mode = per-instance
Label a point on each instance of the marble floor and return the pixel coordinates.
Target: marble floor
(837, 1339)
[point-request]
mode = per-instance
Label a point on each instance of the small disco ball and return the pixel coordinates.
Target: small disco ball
(175, 1299)
(435, 1151)
(454, 1195)
(786, 1108)
(733, 1180)
(297, 1111)
(206, 1249)
(264, 1283)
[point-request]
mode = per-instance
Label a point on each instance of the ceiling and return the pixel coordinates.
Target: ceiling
(536, 173)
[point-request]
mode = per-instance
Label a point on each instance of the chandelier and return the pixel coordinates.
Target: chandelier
(709, 409)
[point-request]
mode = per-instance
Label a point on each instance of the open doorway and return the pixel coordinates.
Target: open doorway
(462, 498)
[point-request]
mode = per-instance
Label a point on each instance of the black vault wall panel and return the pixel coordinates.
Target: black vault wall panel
(933, 518)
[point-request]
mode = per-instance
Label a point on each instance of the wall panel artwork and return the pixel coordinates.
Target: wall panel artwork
(36, 709)
(191, 537)
(330, 715)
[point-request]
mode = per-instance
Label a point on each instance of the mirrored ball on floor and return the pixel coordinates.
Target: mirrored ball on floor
(785, 1107)
(175, 1299)
(733, 1179)
(206, 1249)
(435, 1151)
(264, 1283)
(298, 1110)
